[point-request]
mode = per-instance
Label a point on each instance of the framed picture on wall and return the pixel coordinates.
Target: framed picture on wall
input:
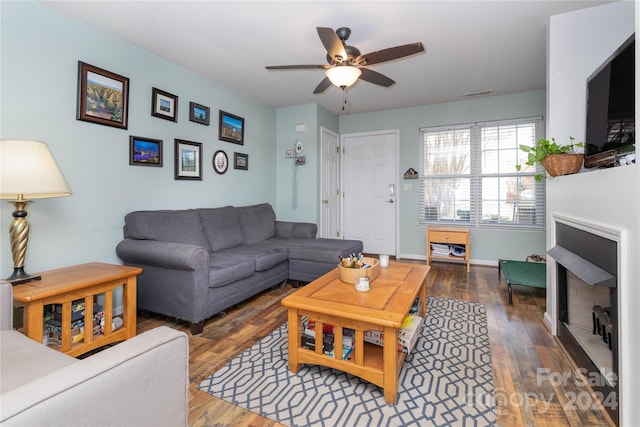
(220, 162)
(198, 113)
(188, 160)
(103, 96)
(145, 151)
(231, 128)
(241, 161)
(164, 105)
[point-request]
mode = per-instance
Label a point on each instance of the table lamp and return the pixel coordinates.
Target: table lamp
(28, 171)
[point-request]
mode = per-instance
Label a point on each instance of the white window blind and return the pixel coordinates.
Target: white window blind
(468, 175)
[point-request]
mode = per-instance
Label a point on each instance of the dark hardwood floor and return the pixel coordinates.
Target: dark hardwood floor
(527, 360)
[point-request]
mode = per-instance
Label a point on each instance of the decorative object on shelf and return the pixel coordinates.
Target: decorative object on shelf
(220, 162)
(188, 160)
(411, 173)
(557, 159)
(241, 161)
(199, 114)
(145, 151)
(28, 171)
(103, 96)
(231, 128)
(164, 105)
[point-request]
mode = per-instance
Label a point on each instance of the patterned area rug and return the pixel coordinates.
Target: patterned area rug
(446, 380)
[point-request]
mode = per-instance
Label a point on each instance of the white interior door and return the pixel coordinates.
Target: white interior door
(329, 183)
(369, 171)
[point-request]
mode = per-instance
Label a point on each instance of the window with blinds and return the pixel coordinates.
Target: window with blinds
(468, 175)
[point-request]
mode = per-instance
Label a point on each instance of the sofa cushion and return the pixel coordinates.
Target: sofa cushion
(258, 222)
(23, 360)
(296, 230)
(222, 227)
(179, 226)
(267, 254)
(322, 250)
(226, 268)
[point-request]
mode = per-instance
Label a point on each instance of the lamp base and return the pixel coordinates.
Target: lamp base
(21, 276)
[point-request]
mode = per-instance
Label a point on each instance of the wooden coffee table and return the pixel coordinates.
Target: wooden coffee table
(328, 300)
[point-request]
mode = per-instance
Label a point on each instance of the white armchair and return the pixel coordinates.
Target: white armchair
(140, 382)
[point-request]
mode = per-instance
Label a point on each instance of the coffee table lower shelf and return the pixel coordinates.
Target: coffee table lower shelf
(367, 361)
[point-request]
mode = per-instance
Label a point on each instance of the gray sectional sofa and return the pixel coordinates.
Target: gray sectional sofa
(199, 262)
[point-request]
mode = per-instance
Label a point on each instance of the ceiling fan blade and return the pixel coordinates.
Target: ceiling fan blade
(294, 67)
(390, 54)
(331, 42)
(375, 77)
(324, 84)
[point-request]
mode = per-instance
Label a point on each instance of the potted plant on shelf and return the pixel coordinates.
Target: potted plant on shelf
(557, 159)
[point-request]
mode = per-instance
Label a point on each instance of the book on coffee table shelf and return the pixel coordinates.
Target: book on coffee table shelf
(407, 335)
(346, 352)
(308, 339)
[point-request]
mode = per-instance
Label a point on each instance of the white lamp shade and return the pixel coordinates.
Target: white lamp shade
(27, 168)
(343, 75)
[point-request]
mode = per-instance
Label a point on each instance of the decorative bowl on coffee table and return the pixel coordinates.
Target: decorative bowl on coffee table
(353, 275)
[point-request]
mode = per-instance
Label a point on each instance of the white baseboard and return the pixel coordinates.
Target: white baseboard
(487, 263)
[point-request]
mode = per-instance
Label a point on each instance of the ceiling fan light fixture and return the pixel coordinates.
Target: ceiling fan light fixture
(343, 76)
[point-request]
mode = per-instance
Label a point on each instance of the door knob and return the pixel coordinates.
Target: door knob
(389, 201)
(325, 201)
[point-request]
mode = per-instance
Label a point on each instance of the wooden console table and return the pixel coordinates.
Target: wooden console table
(456, 236)
(85, 282)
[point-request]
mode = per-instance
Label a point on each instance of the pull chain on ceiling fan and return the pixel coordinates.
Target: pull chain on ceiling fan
(347, 65)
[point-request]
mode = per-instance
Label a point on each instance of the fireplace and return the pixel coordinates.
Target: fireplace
(587, 266)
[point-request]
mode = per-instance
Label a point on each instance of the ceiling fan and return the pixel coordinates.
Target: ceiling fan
(345, 63)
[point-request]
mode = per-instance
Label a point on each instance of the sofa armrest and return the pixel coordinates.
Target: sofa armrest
(143, 382)
(178, 256)
(6, 306)
(296, 230)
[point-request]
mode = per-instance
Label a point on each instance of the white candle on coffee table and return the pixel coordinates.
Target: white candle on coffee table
(384, 260)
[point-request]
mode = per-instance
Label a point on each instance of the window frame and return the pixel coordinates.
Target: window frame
(526, 213)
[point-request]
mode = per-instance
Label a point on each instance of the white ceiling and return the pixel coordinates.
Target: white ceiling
(470, 45)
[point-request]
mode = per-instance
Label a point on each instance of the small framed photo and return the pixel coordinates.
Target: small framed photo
(145, 151)
(188, 160)
(198, 113)
(103, 96)
(164, 105)
(241, 161)
(231, 128)
(220, 162)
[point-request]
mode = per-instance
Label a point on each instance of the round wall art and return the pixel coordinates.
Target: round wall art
(220, 162)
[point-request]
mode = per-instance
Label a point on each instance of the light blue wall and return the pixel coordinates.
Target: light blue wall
(298, 187)
(296, 196)
(40, 53)
(486, 246)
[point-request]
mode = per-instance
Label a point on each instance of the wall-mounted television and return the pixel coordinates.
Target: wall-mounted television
(611, 127)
